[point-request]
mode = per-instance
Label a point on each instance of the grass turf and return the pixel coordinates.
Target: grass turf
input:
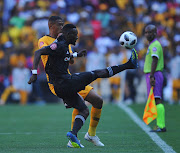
(172, 136)
(43, 129)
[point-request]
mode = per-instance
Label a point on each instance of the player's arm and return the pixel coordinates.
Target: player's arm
(77, 54)
(153, 70)
(37, 58)
(74, 53)
(81, 53)
(71, 50)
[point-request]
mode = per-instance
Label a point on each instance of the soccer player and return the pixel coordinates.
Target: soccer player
(55, 24)
(153, 67)
(67, 86)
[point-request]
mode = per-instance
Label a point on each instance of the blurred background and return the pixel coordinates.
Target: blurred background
(100, 24)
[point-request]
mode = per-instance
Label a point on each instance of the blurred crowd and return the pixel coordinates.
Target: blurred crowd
(100, 24)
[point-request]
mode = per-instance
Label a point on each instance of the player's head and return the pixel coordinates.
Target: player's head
(150, 32)
(70, 33)
(55, 24)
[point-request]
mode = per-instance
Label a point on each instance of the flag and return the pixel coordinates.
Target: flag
(150, 111)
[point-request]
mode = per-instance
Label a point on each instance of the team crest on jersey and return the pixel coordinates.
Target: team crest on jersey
(41, 43)
(67, 59)
(154, 49)
(53, 46)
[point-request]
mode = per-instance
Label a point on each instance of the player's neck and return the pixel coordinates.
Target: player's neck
(52, 35)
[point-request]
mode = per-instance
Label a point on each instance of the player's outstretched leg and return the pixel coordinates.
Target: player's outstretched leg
(74, 140)
(112, 70)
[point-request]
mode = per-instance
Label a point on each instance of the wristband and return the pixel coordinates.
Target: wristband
(75, 54)
(34, 71)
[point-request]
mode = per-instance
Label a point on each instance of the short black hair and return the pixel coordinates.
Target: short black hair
(53, 19)
(151, 27)
(68, 27)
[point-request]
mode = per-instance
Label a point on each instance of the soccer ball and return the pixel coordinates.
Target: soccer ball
(128, 40)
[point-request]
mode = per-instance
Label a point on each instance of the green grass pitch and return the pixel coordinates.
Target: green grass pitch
(42, 129)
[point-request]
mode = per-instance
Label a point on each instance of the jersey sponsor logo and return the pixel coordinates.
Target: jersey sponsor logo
(67, 59)
(53, 46)
(41, 44)
(154, 49)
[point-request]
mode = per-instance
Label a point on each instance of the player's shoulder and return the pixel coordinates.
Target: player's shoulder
(156, 43)
(156, 46)
(61, 41)
(60, 44)
(44, 38)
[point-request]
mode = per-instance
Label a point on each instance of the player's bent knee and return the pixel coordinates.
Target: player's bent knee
(99, 103)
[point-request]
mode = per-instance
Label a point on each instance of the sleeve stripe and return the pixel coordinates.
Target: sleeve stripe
(155, 55)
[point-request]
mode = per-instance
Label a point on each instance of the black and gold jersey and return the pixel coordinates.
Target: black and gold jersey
(58, 60)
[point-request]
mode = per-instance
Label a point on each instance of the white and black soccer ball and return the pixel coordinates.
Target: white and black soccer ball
(128, 40)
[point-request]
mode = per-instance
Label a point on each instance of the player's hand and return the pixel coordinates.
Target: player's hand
(32, 79)
(152, 81)
(82, 53)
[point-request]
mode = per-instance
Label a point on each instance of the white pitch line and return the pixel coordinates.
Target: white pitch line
(162, 144)
(34, 133)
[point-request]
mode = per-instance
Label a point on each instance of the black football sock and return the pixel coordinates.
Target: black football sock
(119, 68)
(112, 70)
(78, 123)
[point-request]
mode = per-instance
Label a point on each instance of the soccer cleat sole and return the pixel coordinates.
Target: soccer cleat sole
(70, 136)
(69, 145)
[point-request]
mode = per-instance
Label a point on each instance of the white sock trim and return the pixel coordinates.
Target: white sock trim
(80, 117)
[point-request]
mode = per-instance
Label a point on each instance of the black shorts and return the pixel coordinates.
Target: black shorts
(68, 89)
(75, 101)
